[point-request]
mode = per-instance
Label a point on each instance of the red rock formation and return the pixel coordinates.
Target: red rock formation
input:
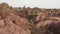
(14, 24)
(40, 16)
(47, 22)
(42, 24)
(3, 14)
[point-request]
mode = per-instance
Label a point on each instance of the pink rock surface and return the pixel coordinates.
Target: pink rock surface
(14, 24)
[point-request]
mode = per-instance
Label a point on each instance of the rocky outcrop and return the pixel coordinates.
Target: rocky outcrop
(14, 24)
